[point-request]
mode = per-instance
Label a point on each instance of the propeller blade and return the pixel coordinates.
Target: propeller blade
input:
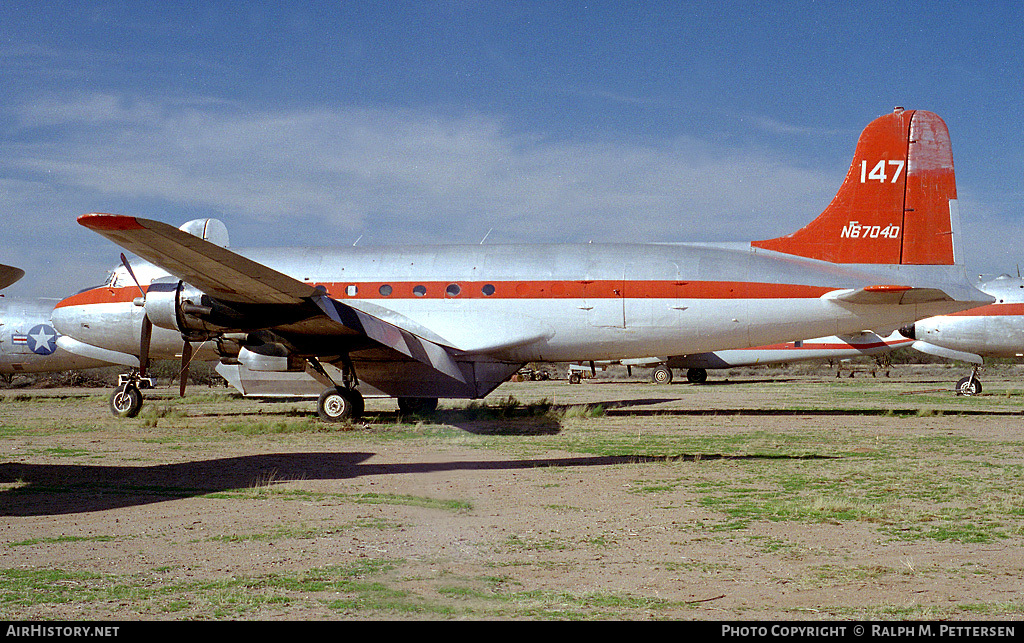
(144, 342)
(147, 325)
(128, 267)
(186, 358)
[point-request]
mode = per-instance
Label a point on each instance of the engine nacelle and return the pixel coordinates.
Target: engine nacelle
(171, 303)
(270, 357)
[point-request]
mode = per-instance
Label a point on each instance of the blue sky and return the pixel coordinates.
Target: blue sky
(448, 122)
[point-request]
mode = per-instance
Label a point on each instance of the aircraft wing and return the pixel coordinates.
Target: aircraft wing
(216, 271)
(9, 275)
(230, 277)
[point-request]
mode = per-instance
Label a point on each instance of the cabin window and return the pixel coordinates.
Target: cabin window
(351, 290)
(419, 291)
(487, 290)
(385, 290)
(452, 290)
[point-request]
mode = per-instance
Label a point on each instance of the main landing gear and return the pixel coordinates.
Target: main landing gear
(663, 375)
(338, 404)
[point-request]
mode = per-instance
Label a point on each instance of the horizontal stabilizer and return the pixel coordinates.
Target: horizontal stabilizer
(887, 295)
(947, 353)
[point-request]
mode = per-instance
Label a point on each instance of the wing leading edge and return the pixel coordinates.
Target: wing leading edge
(229, 277)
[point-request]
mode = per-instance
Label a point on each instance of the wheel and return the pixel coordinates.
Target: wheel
(968, 386)
(697, 375)
(662, 375)
(574, 378)
(126, 401)
(339, 404)
(417, 405)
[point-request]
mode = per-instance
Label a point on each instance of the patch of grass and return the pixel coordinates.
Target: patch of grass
(61, 539)
(284, 426)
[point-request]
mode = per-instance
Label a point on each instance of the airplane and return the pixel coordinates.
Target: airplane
(28, 342)
(995, 330)
(422, 323)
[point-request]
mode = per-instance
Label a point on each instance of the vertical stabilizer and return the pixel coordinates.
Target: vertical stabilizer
(897, 204)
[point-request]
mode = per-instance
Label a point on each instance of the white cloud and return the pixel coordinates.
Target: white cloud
(403, 176)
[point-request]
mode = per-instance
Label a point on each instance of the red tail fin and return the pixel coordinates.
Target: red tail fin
(897, 204)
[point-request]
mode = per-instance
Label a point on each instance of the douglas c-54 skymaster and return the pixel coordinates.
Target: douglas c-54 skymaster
(422, 323)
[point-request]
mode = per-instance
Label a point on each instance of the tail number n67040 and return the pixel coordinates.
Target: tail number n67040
(878, 172)
(854, 230)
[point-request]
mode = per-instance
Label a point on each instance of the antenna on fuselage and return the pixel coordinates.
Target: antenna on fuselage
(356, 241)
(486, 235)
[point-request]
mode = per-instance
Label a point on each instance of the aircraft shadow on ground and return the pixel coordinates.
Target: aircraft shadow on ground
(58, 489)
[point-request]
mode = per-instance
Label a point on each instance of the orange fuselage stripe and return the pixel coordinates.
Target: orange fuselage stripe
(598, 289)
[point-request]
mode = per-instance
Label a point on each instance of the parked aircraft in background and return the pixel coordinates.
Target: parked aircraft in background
(420, 323)
(28, 342)
(995, 330)
(819, 349)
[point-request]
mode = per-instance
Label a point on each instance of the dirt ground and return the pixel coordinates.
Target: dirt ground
(764, 494)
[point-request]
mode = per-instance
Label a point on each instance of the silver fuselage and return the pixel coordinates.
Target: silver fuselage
(569, 302)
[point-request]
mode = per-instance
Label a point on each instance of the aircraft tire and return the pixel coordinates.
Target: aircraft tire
(417, 405)
(968, 386)
(339, 404)
(662, 375)
(696, 375)
(126, 401)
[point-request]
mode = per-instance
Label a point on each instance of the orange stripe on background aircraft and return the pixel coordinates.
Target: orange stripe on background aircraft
(425, 322)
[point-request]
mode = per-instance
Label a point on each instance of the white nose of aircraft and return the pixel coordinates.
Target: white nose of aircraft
(97, 318)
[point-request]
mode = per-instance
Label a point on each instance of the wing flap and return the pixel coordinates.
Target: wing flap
(392, 336)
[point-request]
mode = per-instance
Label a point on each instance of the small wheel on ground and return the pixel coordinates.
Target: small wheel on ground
(968, 386)
(126, 401)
